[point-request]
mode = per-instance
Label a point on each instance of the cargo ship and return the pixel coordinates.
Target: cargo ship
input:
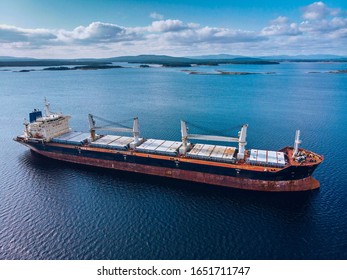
(286, 170)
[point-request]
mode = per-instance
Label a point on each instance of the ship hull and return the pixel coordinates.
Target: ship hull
(287, 180)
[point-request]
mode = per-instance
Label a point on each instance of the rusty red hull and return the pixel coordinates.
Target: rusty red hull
(304, 184)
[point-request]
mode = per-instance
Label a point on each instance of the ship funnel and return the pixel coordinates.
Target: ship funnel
(296, 143)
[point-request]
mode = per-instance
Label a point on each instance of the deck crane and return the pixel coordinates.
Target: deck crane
(241, 139)
(135, 130)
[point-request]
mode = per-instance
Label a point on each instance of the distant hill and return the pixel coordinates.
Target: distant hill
(216, 56)
(166, 61)
(12, 58)
(26, 62)
(188, 61)
(322, 57)
(319, 57)
(155, 59)
(148, 57)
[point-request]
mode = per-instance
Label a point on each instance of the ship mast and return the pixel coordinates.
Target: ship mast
(297, 142)
(136, 130)
(47, 108)
(185, 145)
(242, 142)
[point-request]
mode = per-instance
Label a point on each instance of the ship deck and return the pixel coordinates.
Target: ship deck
(241, 164)
(204, 154)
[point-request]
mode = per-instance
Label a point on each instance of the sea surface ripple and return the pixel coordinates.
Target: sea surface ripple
(54, 210)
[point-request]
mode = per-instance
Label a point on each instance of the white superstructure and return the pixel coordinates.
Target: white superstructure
(46, 127)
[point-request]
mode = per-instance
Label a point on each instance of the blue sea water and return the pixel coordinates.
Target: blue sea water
(53, 210)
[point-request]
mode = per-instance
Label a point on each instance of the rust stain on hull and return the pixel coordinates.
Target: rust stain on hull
(305, 184)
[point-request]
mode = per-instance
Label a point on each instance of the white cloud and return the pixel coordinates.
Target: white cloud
(321, 23)
(169, 25)
(281, 26)
(335, 28)
(156, 15)
(318, 10)
(322, 28)
(11, 34)
(213, 35)
(176, 32)
(97, 32)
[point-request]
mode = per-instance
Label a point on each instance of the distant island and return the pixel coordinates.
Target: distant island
(143, 60)
(147, 61)
(220, 72)
(343, 71)
(65, 68)
(85, 67)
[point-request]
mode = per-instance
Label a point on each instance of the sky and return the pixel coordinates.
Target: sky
(107, 28)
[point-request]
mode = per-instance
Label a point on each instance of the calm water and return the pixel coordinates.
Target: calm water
(52, 210)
